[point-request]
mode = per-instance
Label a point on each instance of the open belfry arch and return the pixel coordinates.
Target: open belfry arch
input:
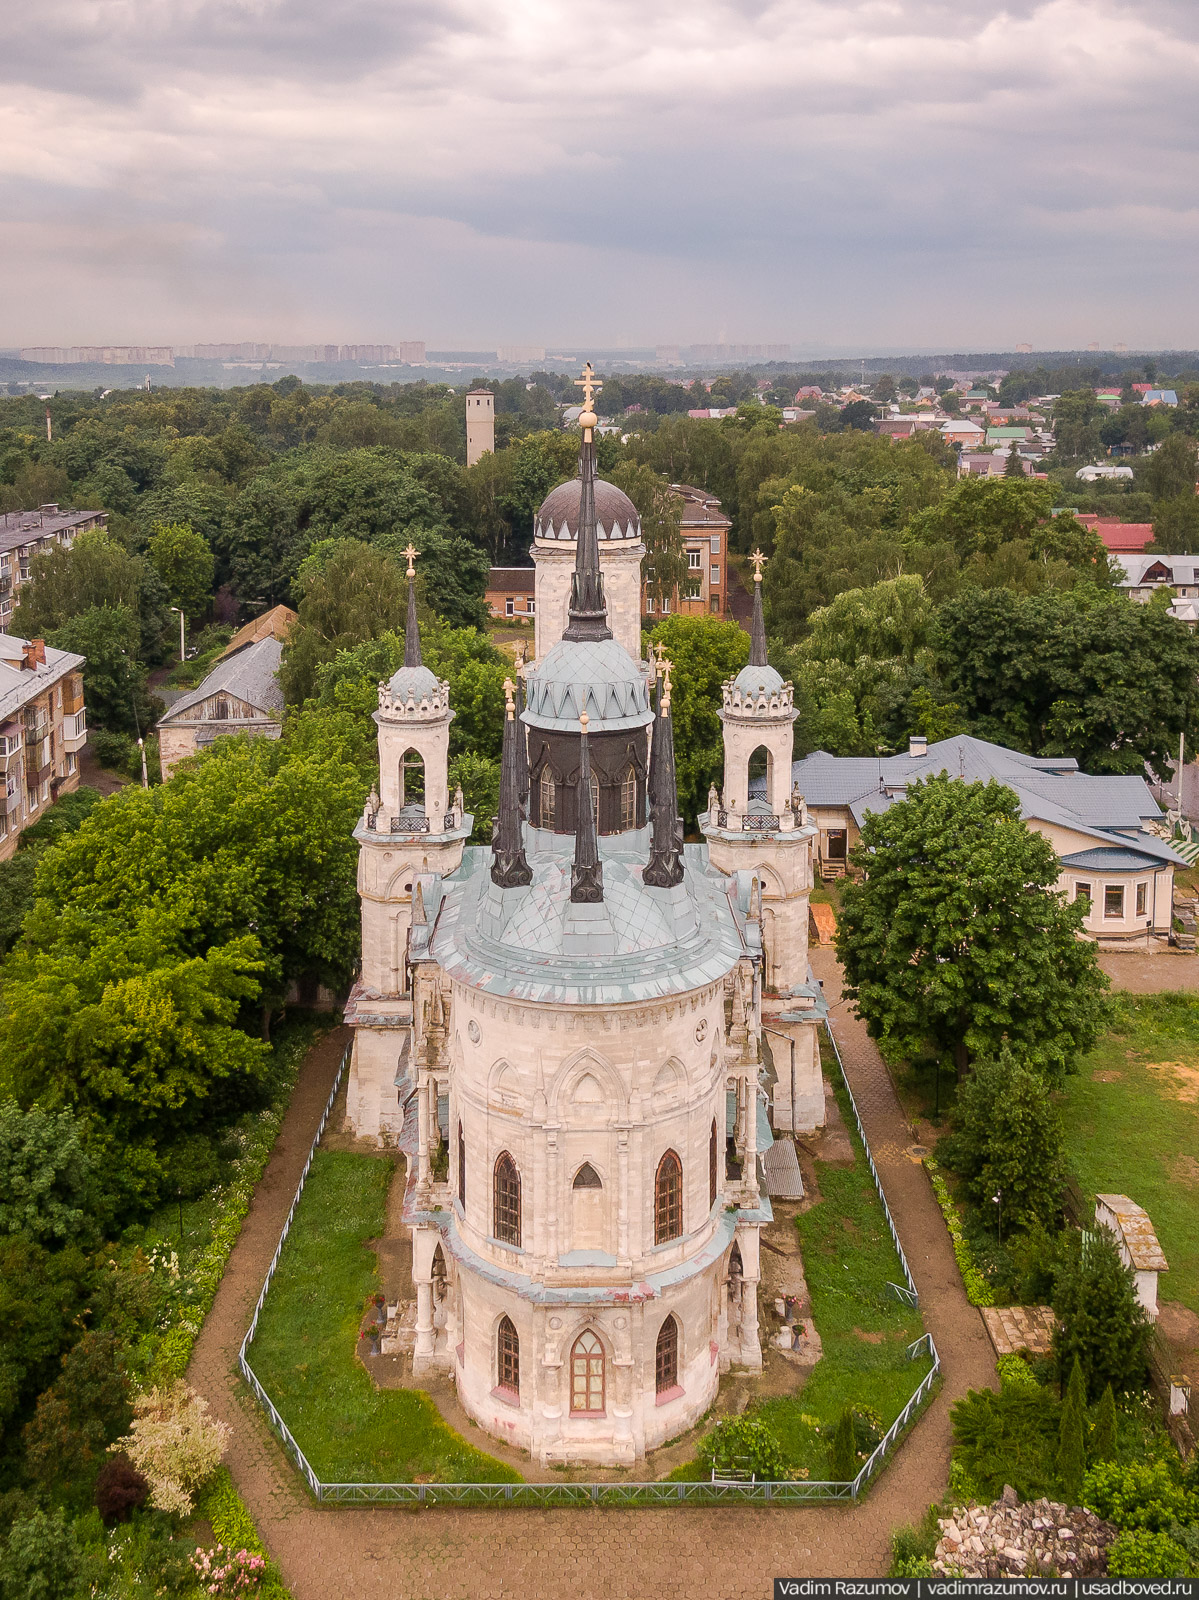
(563, 1032)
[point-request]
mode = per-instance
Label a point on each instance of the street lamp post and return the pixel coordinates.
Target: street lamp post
(141, 745)
(997, 1198)
(182, 640)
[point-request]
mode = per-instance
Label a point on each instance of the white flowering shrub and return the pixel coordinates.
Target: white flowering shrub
(174, 1444)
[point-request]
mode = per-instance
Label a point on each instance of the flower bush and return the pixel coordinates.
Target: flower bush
(227, 1572)
(174, 1444)
(978, 1290)
(739, 1444)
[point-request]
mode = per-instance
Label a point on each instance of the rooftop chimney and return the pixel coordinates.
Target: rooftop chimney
(917, 744)
(33, 654)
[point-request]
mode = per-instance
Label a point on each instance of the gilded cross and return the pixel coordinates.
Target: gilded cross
(757, 558)
(589, 384)
(667, 668)
(659, 658)
(509, 691)
(412, 552)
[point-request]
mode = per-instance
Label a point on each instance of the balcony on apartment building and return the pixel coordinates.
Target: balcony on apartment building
(74, 729)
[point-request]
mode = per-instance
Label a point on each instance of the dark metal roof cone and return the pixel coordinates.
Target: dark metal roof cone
(509, 866)
(586, 870)
(665, 867)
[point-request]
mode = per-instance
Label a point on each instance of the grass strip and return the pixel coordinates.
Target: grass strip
(304, 1353)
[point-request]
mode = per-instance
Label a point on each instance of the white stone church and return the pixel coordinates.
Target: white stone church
(564, 1031)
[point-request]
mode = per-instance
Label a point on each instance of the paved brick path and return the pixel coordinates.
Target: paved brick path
(327, 1553)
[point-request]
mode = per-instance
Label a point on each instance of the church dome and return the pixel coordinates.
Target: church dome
(598, 676)
(616, 516)
(758, 680)
(416, 683)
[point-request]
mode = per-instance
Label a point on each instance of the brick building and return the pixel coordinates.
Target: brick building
(24, 533)
(43, 727)
(705, 530)
(510, 592)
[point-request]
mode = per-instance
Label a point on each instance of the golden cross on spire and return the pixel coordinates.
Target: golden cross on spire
(757, 558)
(509, 691)
(412, 552)
(589, 384)
(667, 668)
(659, 658)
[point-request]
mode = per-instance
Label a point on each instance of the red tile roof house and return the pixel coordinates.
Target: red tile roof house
(510, 592)
(1129, 537)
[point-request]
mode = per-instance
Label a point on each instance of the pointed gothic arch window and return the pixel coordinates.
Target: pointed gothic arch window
(628, 798)
(713, 1158)
(587, 1178)
(666, 1357)
(668, 1199)
(547, 799)
(506, 1218)
(507, 1357)
(462, 1166)
(587, 1376)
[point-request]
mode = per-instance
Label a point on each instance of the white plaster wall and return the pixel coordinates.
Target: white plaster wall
(634, 1419)
(783, 863)
(620, 563)
(557, 1086)
(741, 738)
(174, 746)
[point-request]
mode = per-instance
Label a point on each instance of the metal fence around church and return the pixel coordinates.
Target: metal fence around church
(546, 1496)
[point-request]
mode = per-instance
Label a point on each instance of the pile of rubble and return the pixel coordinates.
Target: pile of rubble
(1010, 1540)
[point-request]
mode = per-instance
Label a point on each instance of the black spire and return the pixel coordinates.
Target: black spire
(757, 632)
(665, 867)
(522, 737)
(411, 627)
(588, 611)
(586, 870)
(509, 868)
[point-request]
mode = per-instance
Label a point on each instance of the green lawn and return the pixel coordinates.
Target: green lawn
(1134, 1130)
(848, 1258)
(304, 1351)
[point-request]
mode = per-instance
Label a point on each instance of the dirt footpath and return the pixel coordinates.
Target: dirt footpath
(335, 1553)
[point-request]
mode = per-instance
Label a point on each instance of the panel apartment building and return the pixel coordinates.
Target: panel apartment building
(23, 534)
(43, 727)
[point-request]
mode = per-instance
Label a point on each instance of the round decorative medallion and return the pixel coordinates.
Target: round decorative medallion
(701, 1029)
(555, 1322)
(472, 1028)
(622, 1322)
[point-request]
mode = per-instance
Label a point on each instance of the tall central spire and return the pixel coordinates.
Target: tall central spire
(757, 632)
(586, 870)
(665, 867)
(411, 627)
(588, 610)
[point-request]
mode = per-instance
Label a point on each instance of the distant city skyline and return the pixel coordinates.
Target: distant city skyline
(829, 174)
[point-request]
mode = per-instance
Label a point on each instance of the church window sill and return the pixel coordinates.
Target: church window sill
(665, 1396)
(507, 1397)
(502, 1244)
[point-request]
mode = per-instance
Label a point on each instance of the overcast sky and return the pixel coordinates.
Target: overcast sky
(842, 174)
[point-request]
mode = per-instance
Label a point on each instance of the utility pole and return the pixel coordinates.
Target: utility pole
(182, 639)
(141, 745)
(49, 427)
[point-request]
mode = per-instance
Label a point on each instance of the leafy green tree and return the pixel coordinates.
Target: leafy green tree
(1008, 1140)
(40, 1294)
(79, 1416)
(480, 781)
(859, 414)
(661, 511)
(44, 1171)
(64, 583)
(1169, 473)
(1071, 1458)
(350, 592)
(1086, 674)
(1176, 525)
(980, 514)
(956, 941)
(1100, 1321)
(704, 652)
(41, 1559)
(1014, 465)
(185, 563)
(115, 683)
(1076, 419)
(884, 390)
(890, 619)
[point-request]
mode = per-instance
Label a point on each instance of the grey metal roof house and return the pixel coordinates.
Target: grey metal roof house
(240, 695)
